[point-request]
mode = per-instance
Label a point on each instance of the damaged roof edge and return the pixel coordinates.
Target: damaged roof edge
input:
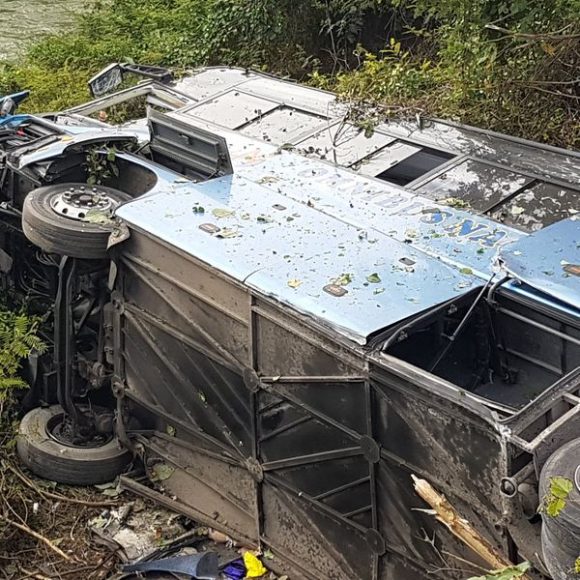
(547, 260)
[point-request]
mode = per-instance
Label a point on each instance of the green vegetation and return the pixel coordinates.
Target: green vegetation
(507, 65)
(557, 496)
(18, 339)
(509, 573)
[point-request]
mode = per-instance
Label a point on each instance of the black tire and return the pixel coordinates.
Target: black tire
(561, 534)
(58, 234)
(50, 459)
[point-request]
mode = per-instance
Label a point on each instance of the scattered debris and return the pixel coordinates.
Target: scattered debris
(228, 233)
(294, 283)
(254, 566)
(285, 147)
(222, 213)
(268, 179)
(43, 527)
(445, 513)
(97, 216)
(161, 472)
(454, 202)
(507, 573)
(555, 500)
(136, 529)
(374, 278)
(343, 279)
(235, 570)
(202, 566)
(219, 537)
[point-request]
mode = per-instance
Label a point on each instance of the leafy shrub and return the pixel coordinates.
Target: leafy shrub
(506, 65)
(18, 339)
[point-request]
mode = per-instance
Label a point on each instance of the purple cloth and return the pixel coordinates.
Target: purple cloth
(236, 570)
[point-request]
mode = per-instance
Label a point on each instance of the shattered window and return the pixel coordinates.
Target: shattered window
(343, 144)
(384, 159)
(232, 110)
(477, 185)
(538, 207)
(415, 165)
(283, 125)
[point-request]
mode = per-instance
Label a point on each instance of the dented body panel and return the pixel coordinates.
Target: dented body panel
(282, 436)
(264, 319)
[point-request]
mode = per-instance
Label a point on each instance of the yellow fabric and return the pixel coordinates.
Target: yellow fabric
(254, 568)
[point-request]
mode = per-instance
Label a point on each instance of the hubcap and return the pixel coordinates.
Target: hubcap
(77, 202)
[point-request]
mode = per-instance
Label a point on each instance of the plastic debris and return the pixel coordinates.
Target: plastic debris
(254, 567)
(201, 566)
(235, 570)
(135, 530)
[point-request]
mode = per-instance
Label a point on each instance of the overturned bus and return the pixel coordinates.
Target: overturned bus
(295, 315)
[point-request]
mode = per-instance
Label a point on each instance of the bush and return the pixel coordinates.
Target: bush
(507, 65)
(18, 340)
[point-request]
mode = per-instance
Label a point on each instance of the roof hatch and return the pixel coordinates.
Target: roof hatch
(187, 149)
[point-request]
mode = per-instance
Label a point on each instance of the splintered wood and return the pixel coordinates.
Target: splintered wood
(445, 513)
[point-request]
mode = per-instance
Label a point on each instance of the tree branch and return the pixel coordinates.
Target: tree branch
(31, 532)
(553, 36)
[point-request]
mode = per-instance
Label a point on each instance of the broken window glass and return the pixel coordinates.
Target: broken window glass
(479, 185)
(413, 166)
(539, 206)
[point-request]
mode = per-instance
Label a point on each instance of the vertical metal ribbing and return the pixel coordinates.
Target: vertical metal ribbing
(254, 413)
(372, 469)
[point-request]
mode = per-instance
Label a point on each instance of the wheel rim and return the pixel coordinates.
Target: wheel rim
(82, 203)
(58, 430)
